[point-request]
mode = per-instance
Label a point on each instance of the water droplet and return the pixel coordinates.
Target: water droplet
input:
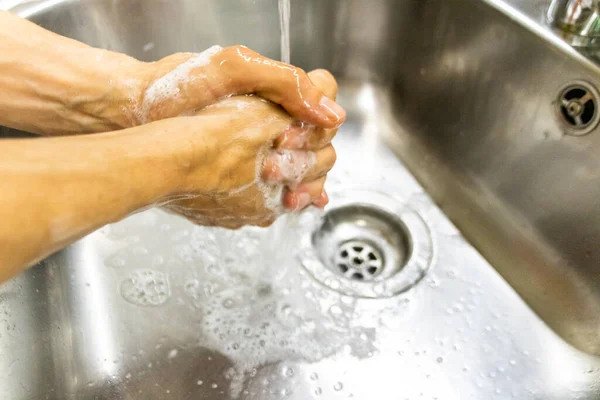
(214, 386)
(338, 386)
(314, 376)
(172, 354)
(318, 391)
(439, 360)
(199, 383)
(289, 372)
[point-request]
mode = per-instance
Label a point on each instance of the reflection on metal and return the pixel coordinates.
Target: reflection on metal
(466, 95)
(579, 20)
(369, 245)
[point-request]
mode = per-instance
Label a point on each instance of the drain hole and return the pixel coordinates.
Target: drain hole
(359, 260)
(578, 109)
(575, 93)
(362, 243)
(369, 246)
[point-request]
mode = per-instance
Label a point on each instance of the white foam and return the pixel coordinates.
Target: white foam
(272, 192)
(295, 164)
(167, 86)
(146, 287)
(259, 312)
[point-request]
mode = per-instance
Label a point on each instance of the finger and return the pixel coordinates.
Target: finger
(306, 194)
(289, 86)
(300, 136)
(265, 223)
(287, 166)
(325, 82)
(293, 166)
(324, 162)
(303, 137)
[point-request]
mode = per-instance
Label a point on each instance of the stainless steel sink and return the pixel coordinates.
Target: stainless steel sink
(465, 103)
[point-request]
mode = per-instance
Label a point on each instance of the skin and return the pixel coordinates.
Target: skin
(52, 85)
(211, 165)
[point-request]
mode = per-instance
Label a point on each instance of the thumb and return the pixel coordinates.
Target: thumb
(325, 82)
(315, 138)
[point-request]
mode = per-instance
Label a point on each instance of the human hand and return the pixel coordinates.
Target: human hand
(257, 163)
(67, 87)
(184, 82)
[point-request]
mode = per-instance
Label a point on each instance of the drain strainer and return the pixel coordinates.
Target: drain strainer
(357, 259)
(368, 245)
(577, 108)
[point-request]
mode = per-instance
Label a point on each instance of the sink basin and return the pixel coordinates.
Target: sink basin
(457, 259)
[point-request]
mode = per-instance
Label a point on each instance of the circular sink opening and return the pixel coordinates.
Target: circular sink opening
(368, 245)
(362, 243)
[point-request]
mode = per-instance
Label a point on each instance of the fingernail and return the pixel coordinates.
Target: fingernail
(322, 200)
(304, 200)
(332, 110)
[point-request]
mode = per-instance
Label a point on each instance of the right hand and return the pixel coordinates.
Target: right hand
(258, 163)
(184, 82)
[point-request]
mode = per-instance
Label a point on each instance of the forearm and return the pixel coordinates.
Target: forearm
(56, 86)
(53, 191)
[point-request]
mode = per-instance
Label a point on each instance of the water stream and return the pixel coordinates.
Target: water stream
(284, 24)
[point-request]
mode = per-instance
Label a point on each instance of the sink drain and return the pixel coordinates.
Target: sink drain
(577, 108)
(368, 245)
(359, 260)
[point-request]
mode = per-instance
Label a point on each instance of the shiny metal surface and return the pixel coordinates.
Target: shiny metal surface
(361, 242)
(578, 19)
(463, 92)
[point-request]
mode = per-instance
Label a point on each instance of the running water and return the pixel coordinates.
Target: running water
(284, 25)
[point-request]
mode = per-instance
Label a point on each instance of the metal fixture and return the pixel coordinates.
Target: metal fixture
(362, 242)
(577, 108)
(360, 260)
(577, 20)
(368, 245)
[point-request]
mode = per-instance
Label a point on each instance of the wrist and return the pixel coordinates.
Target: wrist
(110, 97)
(169, 154)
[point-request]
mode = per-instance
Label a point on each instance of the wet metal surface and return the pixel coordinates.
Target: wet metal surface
(156, 308)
